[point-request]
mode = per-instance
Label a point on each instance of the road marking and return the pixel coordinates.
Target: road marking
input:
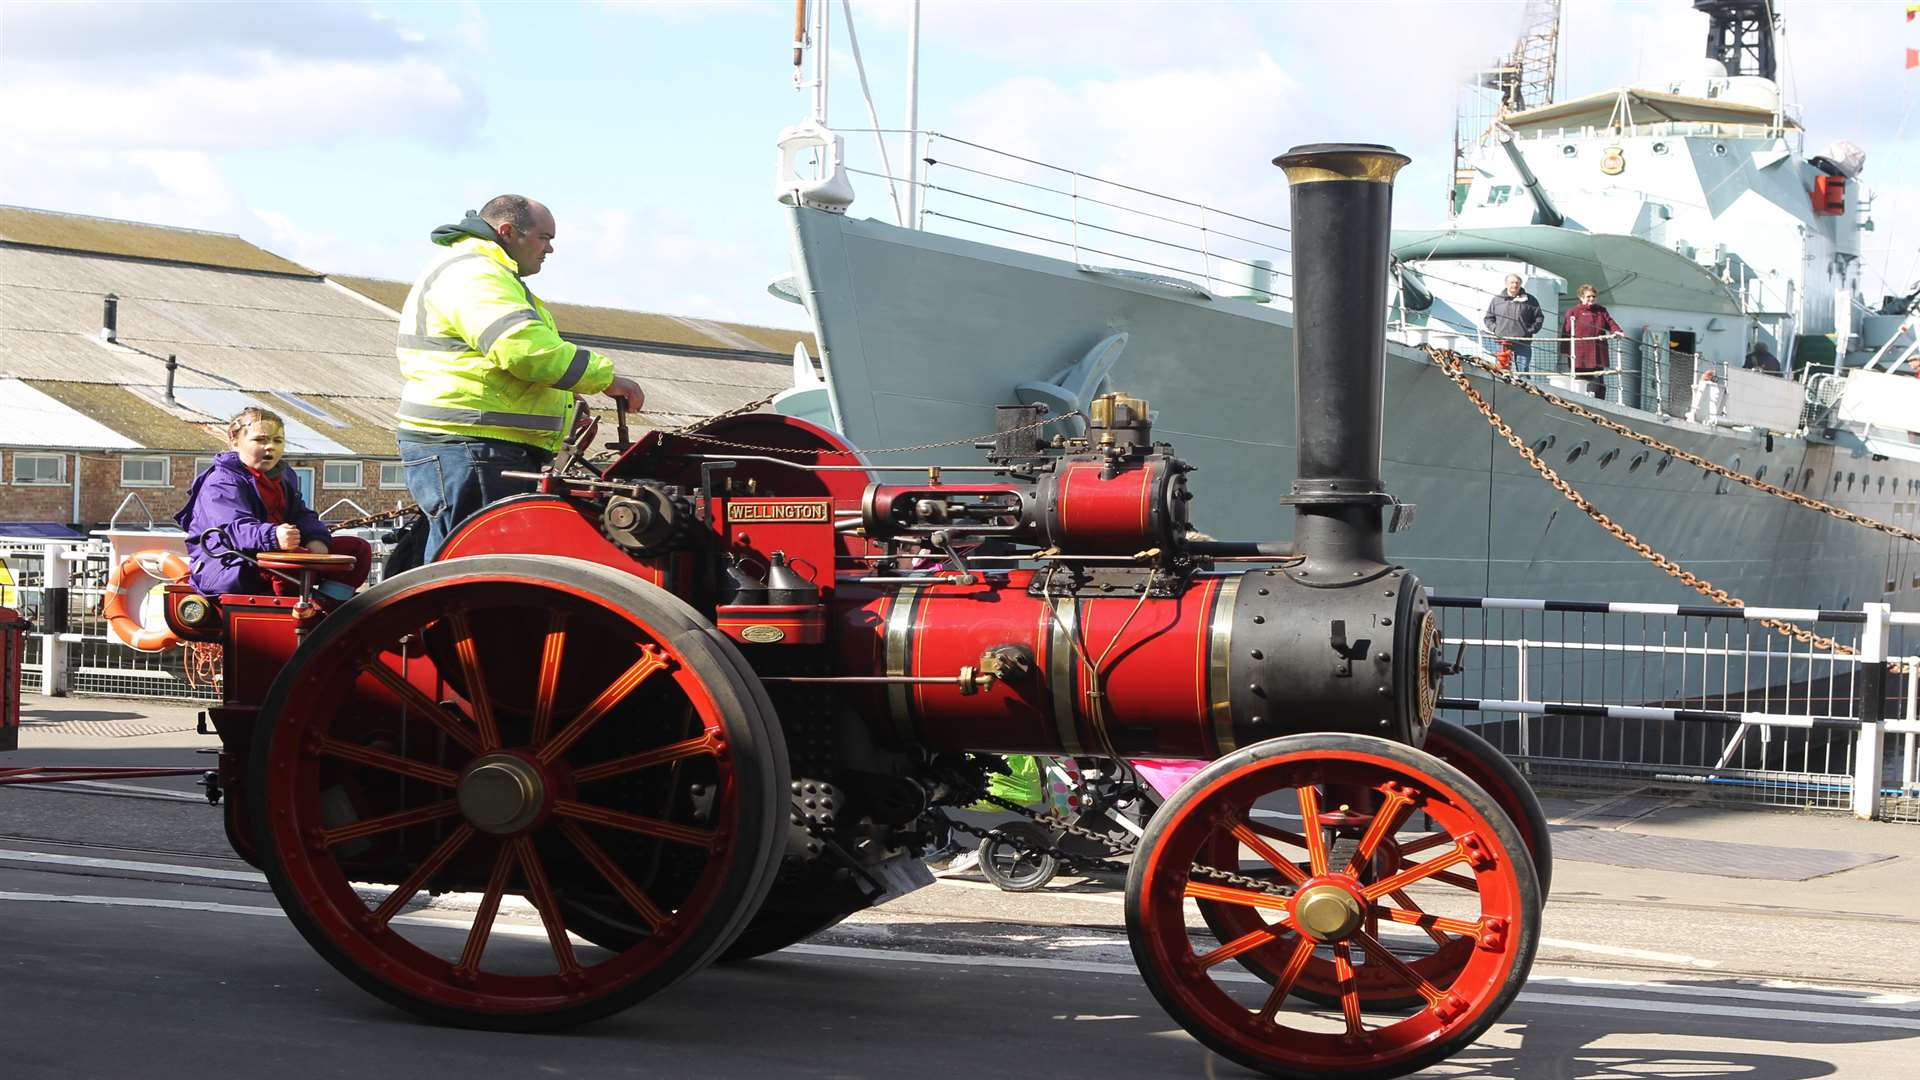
(1636, 1003)
(1633, 954)
(50, 859)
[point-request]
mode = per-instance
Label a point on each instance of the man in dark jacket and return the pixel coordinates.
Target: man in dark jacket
(1761, 358)
(1514, 316)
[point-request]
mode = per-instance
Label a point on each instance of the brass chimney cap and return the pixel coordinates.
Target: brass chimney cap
(1367, 162)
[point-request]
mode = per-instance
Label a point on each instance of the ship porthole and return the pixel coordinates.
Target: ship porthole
(1543, 444)
(1639, 459)
(1882, 485)
(1719, 149)
(1662, 467)
(1569, 150)
(1660, 148)
(1761, 474)
(1609, 457)
(1577, 452)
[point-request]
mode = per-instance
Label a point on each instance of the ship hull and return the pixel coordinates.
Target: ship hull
(923, 335)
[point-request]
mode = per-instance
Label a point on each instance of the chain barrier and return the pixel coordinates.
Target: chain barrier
(1454, 367)
(1443, 358)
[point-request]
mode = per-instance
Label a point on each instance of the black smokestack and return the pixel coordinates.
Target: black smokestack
(110, 319)
(172, 366)
(1342, 197)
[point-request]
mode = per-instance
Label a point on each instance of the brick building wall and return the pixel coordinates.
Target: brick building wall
(163, 489)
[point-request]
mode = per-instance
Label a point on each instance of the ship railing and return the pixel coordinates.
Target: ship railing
(1652, 377)
(973, 191)
(1693, 699)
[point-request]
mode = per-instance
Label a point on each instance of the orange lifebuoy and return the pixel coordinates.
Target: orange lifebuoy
(136, 574)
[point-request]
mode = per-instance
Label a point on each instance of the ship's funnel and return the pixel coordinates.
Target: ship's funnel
(1342, 198)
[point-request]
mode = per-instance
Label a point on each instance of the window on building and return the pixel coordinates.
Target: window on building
(201, 464)
(340, 474)
(304, 475)
(393, 475)
(143, 472)
(39, 469)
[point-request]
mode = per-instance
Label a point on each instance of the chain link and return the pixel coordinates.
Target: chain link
(1454, 366)
(372, 519)
(1116, 847)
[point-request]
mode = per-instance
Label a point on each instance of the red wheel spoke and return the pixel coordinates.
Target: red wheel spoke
(1275, 832)
(418, 815)
(547, 904)
(646, 826)
(548, 683)
(412, 697)
(648, 911)
(1406, 902)
(1425, 843)
(1386, 820)
(1227, 894)
(1431, 923)
(1457, 881)
(417, 880)
(686, 748)
(1414, 873)
(474, 675)
(1245, 943)
(1310, 827)
(1385, 958)
(393, 763)
(1244, 833)
(483, 918)
(652, 659)
(1283, 983)
(1349, 993)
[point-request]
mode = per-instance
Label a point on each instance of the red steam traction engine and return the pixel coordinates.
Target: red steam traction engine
(699, 704)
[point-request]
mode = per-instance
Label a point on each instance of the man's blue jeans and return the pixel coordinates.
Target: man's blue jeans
(1522, 354)
(451, 478)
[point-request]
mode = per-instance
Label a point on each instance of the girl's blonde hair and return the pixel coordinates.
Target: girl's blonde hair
(1588, 288)
(250, 416)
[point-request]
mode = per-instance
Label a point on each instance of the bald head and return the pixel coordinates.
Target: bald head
(525, 229)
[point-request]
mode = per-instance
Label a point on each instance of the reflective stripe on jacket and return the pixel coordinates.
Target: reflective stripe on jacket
(481, 355)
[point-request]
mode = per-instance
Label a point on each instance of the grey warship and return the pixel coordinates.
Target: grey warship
(1699, 207)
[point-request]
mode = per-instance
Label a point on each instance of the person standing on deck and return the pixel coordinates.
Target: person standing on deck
(1590, 326)
(1514, 316)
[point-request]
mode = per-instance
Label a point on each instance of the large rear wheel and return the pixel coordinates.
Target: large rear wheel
(511, 726)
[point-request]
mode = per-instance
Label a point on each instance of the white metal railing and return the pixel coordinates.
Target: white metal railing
(1706, 699)
(968, 189)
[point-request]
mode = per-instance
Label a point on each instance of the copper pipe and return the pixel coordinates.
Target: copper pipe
(799, 29)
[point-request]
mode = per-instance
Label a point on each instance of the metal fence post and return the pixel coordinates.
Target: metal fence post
(1871, 691)
(54, 580)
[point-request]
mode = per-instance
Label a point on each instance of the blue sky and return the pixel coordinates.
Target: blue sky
(339, 133)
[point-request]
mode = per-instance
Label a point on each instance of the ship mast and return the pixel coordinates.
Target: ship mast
(1523, 79)
(1740, 35)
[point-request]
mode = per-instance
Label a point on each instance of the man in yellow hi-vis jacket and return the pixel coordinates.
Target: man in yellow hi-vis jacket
(491, 387)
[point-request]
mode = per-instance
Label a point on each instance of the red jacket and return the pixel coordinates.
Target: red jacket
(1589, 321)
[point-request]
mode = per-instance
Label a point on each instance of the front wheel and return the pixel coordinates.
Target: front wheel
(1463, 876)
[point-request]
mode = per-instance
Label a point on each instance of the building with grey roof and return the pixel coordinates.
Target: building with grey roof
(125, 346)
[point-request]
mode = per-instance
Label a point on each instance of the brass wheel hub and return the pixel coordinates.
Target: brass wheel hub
(501, 794)
(1326, 912)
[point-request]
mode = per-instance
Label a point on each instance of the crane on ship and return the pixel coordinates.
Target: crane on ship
(1522, 79)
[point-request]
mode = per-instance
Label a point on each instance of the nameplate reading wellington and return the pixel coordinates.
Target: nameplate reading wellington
(784, 510)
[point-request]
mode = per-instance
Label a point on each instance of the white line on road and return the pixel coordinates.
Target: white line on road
(1637, 1003)
(89, 862)
(1633, 954)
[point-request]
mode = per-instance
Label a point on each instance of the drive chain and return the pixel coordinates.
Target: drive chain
(1052, 820)
(1454, 366)
(971, 440)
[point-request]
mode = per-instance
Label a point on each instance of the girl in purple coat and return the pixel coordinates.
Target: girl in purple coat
(1590, 325)
(249, 492)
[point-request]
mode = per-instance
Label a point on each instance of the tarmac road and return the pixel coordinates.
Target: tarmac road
(130, 947)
